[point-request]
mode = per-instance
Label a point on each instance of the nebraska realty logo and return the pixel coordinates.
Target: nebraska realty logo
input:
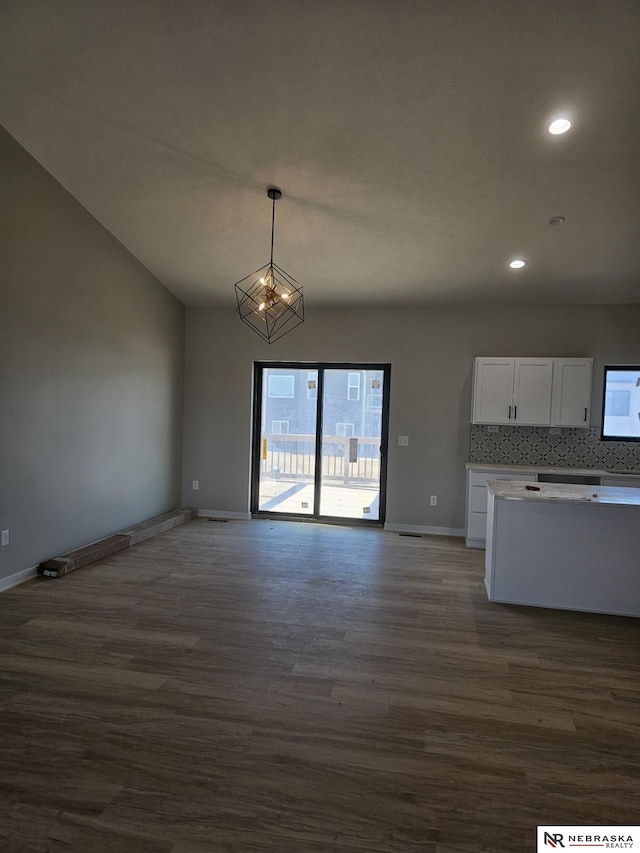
(600, 837)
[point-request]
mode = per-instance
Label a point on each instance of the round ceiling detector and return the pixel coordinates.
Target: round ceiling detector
(557, 220)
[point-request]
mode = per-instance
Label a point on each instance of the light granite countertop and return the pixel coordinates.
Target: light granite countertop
(513, 490)
(550, 469)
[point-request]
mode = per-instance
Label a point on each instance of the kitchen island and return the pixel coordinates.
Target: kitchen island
(572, 547)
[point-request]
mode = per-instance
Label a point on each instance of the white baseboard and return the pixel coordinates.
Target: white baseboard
(424, 531)
(17, 578)
(219, 513)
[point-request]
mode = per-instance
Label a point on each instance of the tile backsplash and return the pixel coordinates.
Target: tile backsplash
(572, 448)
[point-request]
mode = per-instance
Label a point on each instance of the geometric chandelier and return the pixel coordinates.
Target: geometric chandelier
(270, 301)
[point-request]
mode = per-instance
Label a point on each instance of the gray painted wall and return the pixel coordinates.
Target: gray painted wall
(91, 374)
(91, 380)
(431, 352)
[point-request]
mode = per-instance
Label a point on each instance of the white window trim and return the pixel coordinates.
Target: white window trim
(344, 433)
(351, 384)
(280, 431)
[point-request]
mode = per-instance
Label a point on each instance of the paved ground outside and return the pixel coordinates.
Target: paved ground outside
(338, 500)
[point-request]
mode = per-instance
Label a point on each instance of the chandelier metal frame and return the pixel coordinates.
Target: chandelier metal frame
(270, 301)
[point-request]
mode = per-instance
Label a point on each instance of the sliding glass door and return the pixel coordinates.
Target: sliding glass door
(287, 440)
(320, 439)
(351, 443)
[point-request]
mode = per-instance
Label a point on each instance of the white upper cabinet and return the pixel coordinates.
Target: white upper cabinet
(532, 391)
(572, 392)
(493, 391)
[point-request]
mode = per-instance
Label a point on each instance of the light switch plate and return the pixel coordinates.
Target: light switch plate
(4, 538)
(403, 440)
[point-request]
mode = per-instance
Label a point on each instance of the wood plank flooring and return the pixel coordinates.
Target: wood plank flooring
(253, 687)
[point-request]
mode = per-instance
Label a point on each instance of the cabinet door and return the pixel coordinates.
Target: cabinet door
(532, 392)
(493, 390)
(572, 396)
(476, 522)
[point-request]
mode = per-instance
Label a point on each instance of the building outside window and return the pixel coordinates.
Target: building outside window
(281, 385)
(345, 429)
(312, 385)
(353, 390)
(617, 404)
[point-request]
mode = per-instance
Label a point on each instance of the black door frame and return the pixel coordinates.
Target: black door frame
(320, 366)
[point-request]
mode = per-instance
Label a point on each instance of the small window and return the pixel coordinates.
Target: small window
(621, 403)
(375, 401)
(279, 427)
(312, 385)
(353, 390)
(344, 429)
(281, 386)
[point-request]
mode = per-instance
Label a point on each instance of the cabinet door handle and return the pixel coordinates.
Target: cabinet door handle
(515, 413)
(509, 418)
(585, 415)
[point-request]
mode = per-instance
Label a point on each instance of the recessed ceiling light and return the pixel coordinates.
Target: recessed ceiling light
(560, 125)
(517, 264)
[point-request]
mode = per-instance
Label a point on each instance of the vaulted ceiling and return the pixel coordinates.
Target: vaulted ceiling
(409, 138)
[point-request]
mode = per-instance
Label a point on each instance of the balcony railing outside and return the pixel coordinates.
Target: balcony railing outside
(293, 456)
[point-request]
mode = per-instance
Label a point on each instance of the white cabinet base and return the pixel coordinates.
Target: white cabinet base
(573, 556)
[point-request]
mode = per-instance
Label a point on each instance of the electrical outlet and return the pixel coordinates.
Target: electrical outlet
(555, 431)
(434, 500)
(4, 538)
(403, 440)
(493, 428)
(196, 485)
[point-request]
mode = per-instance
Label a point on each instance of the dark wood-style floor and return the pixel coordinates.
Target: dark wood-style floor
(271, 686)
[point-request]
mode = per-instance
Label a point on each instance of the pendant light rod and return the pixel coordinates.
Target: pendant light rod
(273, 193)
(270, 301)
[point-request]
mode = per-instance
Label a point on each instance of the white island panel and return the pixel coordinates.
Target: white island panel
(566, 546)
